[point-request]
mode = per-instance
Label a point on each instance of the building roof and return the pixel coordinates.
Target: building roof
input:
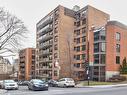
(116, 23)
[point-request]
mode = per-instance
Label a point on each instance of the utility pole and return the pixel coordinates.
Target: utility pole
(88, 61)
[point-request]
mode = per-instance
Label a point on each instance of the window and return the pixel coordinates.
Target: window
(33, 56)
(56, 30)
(74, 23)
(78, 57)
(78, 23)
(77, 65)
(78, 32)
(117, 48)
(55, 55)
(83, 47)
(96, 59)
(83, 56)
(117, 59)
(102, 59)
(55, 73)
(83, 39)
(96, 36)
(103, 47)
(102, 34)
(96, 47)
(33, 51)
(84, 21)
(78, 40)
(75, 39)
(55, 47)
(56, 38)
(78, 48)
(118, 36)
(83, 30)
(96, 73)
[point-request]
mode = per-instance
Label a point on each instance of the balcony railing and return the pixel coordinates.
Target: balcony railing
(45, 60)
(45, 30)
(46, 21)
(46, 38)
(46, 45)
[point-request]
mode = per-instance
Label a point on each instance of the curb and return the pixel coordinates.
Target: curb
(102, 86)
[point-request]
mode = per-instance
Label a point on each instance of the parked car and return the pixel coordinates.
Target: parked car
(1, 84)
(10, 84)
(66, 82)
(37, 84)
(53, 83)
(23, 83)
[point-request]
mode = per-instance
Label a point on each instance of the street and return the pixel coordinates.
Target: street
(70, 91)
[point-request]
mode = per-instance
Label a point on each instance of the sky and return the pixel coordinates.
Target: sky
(31, 11)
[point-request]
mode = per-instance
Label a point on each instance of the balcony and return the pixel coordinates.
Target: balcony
(46, 52)
(45, 38)
(46, 45)
(46, 68)
(46, 21)
(22, 70)
(22, 65)
(45, 60)
(45, 30)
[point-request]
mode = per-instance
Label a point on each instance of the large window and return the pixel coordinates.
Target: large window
(96, 36)
(102, 34)
(102, 47)
(99, 35)
(117, 59)
(96, 59)
(96, 47)
(102, 61)
(117, 36)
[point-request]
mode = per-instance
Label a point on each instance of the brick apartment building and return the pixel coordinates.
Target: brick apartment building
(109, 49)
(62, 36)
(26, 64)
(54, 43)
(116, 47)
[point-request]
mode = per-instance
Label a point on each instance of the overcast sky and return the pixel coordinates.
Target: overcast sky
(31, 11)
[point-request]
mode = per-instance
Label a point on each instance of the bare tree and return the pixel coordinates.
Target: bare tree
(12, 31)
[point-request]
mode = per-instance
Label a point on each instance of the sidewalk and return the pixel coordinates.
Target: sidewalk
(101, 86)
(2, 91)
